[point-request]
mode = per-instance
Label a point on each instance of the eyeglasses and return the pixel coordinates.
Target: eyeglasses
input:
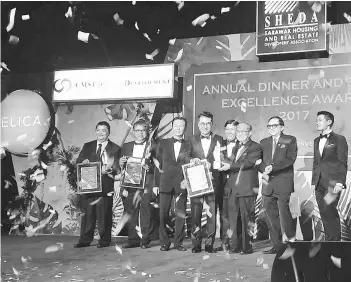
(272, 126)
(242, 131)
(140, 131)
(202, 124)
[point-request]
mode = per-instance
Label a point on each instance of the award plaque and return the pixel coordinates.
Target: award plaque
(134, 174)
(89, 178)
(198, 179)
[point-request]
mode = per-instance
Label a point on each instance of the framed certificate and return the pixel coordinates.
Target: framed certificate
(134, 174)
(198, 179)
(89, 178)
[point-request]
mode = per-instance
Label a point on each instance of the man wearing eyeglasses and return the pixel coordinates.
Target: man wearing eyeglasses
(241, 188)
(172, 153)
(137, 201)
(277, 166)
(202, 147)
(329, 173)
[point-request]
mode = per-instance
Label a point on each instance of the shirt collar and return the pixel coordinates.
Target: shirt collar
(102, 143)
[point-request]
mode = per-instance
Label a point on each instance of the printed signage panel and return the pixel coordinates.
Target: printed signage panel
(290, 27)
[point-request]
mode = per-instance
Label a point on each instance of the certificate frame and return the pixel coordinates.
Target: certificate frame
(93, 184)
(207, 188)
(134, 174)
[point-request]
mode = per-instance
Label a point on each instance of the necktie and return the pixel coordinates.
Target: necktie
(206, 137)
(178, 140)
(98, 153)
(274, 146)
(323, 136)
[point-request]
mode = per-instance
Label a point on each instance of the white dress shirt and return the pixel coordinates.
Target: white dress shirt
(138, 150)
(177, 146)
(103, 146)
(206, 145)
(230, 147)
(240, 151)
(322, 142)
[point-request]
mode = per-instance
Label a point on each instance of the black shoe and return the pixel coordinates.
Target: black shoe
(80, 245)
(246, 252)
(144, 246)
(103, 245)
(165, 248)
(196, 250)
(130, 245)
(270, 251)
(210, 249)
(234, 251)
(181, 248)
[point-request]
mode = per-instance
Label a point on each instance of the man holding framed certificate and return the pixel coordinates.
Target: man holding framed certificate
(136, 186)
(203, 147)
(97, 164)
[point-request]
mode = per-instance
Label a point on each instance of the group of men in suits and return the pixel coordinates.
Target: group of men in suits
(235, 183)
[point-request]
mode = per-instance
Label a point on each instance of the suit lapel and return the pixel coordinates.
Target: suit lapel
(198, 141)
(246, 146)
(212, 145)
(171, 145)
(325, 146)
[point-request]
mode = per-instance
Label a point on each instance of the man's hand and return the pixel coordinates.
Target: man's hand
(313, 187)
(224, 167)
(86, 161)
(122, 161)
(156, 190)
(195, 161)
(183, 184)
(106, 169)
(125, 193)
(265, 178)
(337, 188)
(146, 167)
(268, 169)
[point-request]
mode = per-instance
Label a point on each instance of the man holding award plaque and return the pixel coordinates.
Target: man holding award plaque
(172, 153)
(136, 186)
(97, 164)
(205, 146)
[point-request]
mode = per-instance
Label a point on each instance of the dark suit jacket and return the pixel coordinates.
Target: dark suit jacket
(172, 169)
(281, 179)
(245, 169)
(89, 152)
(225, 174)
(331, 167)
(127, 150)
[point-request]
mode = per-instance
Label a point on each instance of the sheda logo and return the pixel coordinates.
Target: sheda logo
(62, 85)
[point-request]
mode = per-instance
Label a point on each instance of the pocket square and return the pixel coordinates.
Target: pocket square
(330, 145)
(282, 146)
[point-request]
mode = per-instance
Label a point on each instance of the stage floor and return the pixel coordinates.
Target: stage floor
(26, 259)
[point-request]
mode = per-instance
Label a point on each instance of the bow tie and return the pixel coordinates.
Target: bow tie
(232, 141)
(206, 137)
(175, 140)
(323, 136)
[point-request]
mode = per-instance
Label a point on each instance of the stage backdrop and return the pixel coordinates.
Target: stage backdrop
(77, 122)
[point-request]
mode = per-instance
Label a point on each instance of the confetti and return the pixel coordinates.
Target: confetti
(43, 165)
(5, 67)
(118, 19)
(348, 17)
(143, 273)
(180, 5)
(118, 249)
(172, 41)
(25, 17)
(7, 184)
(200, 20)
(205, 257)
(147, 36)
(225, 10)
(179, 55)
(11, 20)
(317, 7)
(54, 248)
(314, 249)
(203, 24)
(70, 121)
(133, 2)
(213, 17)
(95, 202)
(336, 261)
(47, 145)
(265, 266)
(229, 233)
(152, 55)
(136, 25)
(237, 275)
(289, 252)
(189, 88)
(69, 13)
(16, 272)
(243, 106)
(259, 261)
(219, 47)
(83, 36)
(109, 194)
(52, 188)
(22, 137)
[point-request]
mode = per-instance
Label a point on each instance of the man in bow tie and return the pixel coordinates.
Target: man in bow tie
(329, 173)
(172, 153)
(241, 189)
(136, 202)
(101, 211)
(202, 147)
(277, 166)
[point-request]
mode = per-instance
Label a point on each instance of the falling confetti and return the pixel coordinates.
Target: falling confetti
(348, 17)
(133, 2)
(179, 55)
(25, 17)
(189, 88)
(118, 19)
(7, 184)
(180, 5)
(136, 25)
(109, 194)
(54, 248)
(317, 7)
(52, 188)
(213, 17)
(143, 273)
(229, 233)
(259, 261)
(225, 10)
(336, 261)
(4, 66)
(265, 266)
(16, 272)
(243, 107)
(152, 55)
(219, 47)
(43, 165)
(147, 36)
(69, 13)
(70, 121)
(172, 41)
(200, 20)
(12, 20)
(314, 249)
(118, 249)
(205, 257)
(95, 202)
(47, 145)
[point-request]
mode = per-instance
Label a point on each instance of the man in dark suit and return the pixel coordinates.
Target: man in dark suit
(229, 144)
(329, 173)
(137, 201)
(202, 147)
(277, 166)
(172, 153)
(101, 211)
(242, 187)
